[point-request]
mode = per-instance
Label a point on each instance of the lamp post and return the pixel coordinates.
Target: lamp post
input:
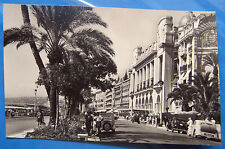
(35, 105)
(132, 97)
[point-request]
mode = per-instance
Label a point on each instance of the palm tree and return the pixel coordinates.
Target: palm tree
(212, 60)
(17, 35)
(183, 94)
(63, 29)
(206, 93)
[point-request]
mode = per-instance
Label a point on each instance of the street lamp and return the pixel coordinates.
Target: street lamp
(132, 97)
(35, 93)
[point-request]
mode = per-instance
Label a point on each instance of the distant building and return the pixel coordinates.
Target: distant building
(99, 101)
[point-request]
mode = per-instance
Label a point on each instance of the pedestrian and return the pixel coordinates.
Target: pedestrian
(98, 120)
(88, 122)
(190, 126)
(212, 120)
(40, 117)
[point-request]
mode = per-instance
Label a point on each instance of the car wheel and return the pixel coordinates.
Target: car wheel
(107, 126)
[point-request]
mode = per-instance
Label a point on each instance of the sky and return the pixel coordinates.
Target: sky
(127, 28)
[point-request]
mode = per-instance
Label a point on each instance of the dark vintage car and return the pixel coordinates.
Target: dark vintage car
(135, 118)
(178, 125)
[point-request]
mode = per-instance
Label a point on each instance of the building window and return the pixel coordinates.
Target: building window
(157, 105)
(151, 103)
(160, 68)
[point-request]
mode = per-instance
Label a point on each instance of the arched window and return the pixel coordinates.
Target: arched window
(136, 102)
(158, 105)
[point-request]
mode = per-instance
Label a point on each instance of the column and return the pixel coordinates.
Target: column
(140, 81)
(193, 56)
(156, 70)
(136, 80)
(143, 77)
(147, 75)
(151, 72)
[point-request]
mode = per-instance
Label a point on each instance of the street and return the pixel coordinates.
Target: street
(126, 131)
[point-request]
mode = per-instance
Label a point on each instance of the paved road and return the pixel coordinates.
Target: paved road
(18, 125)
(127, 131)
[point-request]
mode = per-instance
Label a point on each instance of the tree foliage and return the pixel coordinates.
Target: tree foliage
(79, 57)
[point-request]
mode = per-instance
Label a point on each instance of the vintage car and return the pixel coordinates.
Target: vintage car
(135, 118)
(179, 125)
(108, 122)
(204, 129)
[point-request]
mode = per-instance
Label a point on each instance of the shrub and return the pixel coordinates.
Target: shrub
(66, 130)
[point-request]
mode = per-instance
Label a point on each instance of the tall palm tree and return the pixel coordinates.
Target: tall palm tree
(63, 29)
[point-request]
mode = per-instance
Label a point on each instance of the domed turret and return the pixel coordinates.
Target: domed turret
(188, 18)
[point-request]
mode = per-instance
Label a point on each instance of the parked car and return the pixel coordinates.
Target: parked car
(179, 125)
(108, 122)
(205, 129)
(135, 118)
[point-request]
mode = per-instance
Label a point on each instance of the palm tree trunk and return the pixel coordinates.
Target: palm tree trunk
(52, 100)
(51, 91)
(38, 60)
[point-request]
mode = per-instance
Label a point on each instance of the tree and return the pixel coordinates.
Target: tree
(212, 60)
(206, 93)
(81, 74)
(183, 94)
(63, 29)
(25, 35)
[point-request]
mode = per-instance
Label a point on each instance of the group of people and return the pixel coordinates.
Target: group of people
(191, 122)
(152, 120)
(93, 123)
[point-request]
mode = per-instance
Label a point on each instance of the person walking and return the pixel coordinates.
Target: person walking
(190, 126)
(98, 120)
(88, 122)
(40, 117)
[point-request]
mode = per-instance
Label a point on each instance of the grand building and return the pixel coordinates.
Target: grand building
(172, 59)
(175, 56)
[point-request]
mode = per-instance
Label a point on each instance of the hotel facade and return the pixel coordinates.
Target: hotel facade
(175, 56)
(172, 59)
